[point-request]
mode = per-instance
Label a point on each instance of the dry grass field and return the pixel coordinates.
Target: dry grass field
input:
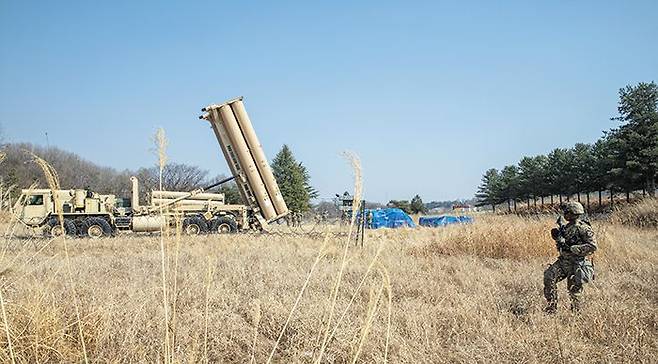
(458, 294)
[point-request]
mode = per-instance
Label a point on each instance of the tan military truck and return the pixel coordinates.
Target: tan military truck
(87, 213)
(83, 211)
(91, 214)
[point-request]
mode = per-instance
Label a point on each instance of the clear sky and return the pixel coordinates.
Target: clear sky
(428, 94)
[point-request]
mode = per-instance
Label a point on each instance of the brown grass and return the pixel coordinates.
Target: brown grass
(643, 214)
(493, 237)
(5, 217)
(460, 294)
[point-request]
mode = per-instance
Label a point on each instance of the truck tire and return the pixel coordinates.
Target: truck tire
(194, 226)
(224, 225)
(79, 227)
(54, 228)
(96, 227)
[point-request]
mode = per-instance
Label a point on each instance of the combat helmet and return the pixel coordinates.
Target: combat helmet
(572, 207)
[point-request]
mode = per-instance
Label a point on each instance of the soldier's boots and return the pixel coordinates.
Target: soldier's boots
(575, 306)
(551, 308)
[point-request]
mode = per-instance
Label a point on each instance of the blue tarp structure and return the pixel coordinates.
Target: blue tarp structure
(443, 220)
(387, 218)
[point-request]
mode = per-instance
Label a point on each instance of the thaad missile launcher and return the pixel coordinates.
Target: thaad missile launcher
(87, 213)
(246, 159)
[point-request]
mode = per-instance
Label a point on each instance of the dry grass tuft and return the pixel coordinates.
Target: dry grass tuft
(642, 214)
(160, 144)
(493, 237)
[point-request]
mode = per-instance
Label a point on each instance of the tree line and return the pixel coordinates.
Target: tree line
(416, 206)
(624, 159)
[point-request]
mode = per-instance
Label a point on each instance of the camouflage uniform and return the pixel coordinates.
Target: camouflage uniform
(575, 243)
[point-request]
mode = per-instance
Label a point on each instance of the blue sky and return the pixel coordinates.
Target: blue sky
(428, 94)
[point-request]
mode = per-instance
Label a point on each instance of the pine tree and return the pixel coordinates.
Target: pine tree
(561, 172)
(584, 168)
(635, 142)
(294, 181)
(417, 206)
(601, 179)
(509, 185)
(489, 189)
(400, 204)
(541, 177)
(532, 179)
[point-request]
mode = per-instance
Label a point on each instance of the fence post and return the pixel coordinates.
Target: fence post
(363, 220)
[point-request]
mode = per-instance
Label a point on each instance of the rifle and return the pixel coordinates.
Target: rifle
(558, 235)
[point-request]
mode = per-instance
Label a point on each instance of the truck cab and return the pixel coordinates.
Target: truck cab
(82, 211)
(34, 206)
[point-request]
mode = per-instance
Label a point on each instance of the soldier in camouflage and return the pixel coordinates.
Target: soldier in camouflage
(575, 242)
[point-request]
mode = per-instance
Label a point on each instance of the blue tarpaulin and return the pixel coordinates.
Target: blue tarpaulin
(387, 218)
(443, 220)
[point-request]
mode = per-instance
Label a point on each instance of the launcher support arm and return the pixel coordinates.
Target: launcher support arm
(190, 194)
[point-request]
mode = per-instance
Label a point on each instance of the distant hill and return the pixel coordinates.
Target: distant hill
(76, 172)
(73, 170)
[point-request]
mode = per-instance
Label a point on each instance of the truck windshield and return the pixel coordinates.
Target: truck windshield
(123, 202)
(35, 200)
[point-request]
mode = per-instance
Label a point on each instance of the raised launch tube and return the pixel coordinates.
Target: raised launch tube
(259, 156)
(249, 168)
(246, 158)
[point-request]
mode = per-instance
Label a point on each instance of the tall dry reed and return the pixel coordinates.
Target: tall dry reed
(160, 141)
(52, 179)
(356, 203)
(6, 327)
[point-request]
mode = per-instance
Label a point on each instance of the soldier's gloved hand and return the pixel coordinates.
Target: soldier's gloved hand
(555, 234)
(575, 249)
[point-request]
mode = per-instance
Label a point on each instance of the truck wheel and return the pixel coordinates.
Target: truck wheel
(54, 228)
(96, 227)
(194, 226)
(224, 225)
